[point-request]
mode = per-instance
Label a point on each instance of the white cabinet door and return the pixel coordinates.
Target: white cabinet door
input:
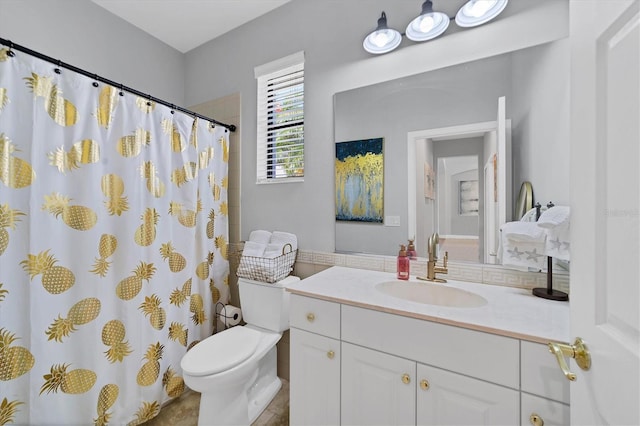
(314, 379)
(538, 411)
(445, 398)
(377, 388)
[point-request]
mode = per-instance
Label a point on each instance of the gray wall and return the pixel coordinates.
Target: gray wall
(541, 121)
(87, 36)
(331, 32)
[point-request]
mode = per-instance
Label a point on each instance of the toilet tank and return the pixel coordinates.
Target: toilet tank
(266, 305)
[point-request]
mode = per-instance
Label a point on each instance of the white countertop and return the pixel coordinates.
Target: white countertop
(511, 312)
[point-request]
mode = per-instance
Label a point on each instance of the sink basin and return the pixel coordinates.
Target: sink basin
(431, 294)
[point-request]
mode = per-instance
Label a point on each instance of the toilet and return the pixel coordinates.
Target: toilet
(235, 370)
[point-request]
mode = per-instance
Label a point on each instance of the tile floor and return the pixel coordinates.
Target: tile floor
(183, 411)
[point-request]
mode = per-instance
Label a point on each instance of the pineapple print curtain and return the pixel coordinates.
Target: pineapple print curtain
(113, 246)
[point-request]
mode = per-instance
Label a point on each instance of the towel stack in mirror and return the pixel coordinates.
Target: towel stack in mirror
(555, 222)
(525, 244)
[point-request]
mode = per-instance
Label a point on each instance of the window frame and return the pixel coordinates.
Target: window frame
(266, 74)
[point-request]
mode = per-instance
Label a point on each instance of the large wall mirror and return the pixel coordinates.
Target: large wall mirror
(409, 112)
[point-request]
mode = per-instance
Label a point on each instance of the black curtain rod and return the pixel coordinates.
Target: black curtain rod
(59, 63)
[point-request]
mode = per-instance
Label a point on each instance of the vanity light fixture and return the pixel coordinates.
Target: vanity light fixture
(430, 24)
(383, 39)
(478, 12)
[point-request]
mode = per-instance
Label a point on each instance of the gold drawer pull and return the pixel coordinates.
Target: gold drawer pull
(578, 351)
(331, 354)
(536, 420)
(424, 385)
(311, 317)
(406, 379)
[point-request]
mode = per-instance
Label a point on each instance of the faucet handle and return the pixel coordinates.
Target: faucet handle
(446, 258)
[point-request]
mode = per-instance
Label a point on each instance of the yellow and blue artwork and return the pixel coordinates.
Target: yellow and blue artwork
(359, 180)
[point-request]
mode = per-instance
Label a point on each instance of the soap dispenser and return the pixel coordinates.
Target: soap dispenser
(403, 264)
(411, 251)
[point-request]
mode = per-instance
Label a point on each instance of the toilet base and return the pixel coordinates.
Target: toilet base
(225, 408)
(243, 398)
(258, 404)
(265, 387)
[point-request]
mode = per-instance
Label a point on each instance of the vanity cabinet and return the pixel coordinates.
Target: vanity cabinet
(393, 369)
(382, 389)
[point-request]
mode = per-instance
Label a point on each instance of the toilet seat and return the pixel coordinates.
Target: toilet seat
(221, 352)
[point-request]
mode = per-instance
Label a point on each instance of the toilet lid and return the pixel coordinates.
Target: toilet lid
(220, 352)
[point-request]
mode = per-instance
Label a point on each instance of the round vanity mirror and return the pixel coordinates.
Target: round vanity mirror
(525, 200)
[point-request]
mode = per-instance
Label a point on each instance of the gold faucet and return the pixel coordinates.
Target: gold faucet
(432, 267)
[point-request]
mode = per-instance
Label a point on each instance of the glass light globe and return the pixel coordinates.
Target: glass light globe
(382, 41)
(478, 12)
(427, 26)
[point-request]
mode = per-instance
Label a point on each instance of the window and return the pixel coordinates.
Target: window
(280, 125)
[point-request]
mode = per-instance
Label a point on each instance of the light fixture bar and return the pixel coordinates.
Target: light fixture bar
(430, 24)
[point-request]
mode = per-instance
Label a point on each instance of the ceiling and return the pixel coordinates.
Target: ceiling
(186, 24)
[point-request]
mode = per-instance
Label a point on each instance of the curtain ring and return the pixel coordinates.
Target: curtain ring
(95, 83)
(149, 100)
(57, 69)
(172, 109)
(121, 90)
(10, 51)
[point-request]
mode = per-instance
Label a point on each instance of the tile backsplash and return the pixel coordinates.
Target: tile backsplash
(311, 262)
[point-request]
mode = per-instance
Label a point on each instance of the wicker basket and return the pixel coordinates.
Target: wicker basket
(268, 270)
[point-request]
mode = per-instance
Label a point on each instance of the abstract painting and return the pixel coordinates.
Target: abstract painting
(429, 182)
(359, 180)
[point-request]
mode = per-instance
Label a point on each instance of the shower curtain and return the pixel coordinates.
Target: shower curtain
(113, 246)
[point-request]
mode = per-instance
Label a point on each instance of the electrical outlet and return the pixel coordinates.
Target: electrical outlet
(392, 220)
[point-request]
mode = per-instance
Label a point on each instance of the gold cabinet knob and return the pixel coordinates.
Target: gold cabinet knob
(424, 385)
(536, 420)
(311, 317)
(406, 379)
(331, 354)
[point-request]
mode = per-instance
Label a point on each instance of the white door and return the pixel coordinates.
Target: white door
(490, 212)
(377, 388)
(504, 164)
(605, 209)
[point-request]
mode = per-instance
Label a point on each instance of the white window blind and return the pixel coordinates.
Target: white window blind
(280, 125)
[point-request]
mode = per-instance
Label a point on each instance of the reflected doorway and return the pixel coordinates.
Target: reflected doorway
(458, 205)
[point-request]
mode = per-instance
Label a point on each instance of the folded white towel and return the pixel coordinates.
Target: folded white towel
(522, 231)
(275, 250)
(530, 216)
(284, 238)
(555, 216)
(557, 244)
(522, 255)
(253, 249)
(260, 236)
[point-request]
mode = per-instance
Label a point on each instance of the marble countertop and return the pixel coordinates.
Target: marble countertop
(511, 312)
